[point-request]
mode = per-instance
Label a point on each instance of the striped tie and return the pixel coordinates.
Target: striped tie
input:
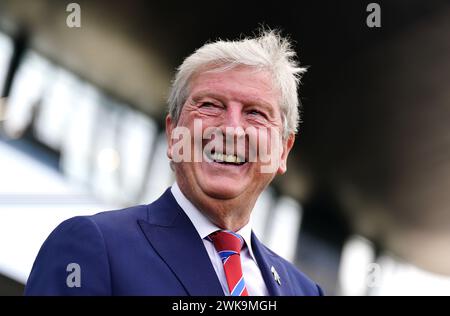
(228, 244)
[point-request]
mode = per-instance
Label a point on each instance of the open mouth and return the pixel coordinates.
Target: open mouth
(225, 159)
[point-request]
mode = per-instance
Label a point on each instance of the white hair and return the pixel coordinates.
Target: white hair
(268, 51)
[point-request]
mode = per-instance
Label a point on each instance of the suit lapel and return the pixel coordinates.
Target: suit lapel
(175, 239)
(268, 262)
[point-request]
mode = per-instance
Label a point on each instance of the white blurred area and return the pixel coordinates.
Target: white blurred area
(398, 277)
(357, 256)
(363, 273)
(34, 199)
(108, 156)
(28, 86)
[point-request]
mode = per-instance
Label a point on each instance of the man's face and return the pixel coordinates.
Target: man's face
(232, 101)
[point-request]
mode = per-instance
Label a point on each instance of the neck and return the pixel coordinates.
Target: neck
(218, 212)
(231, 214)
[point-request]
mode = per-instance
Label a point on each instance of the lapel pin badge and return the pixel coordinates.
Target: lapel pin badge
(275, 275)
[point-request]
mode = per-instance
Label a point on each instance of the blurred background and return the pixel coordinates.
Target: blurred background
(364, 208)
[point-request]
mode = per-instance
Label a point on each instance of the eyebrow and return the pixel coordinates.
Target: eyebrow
(249, 102)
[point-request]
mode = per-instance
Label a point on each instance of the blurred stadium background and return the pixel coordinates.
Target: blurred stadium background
(364, 207)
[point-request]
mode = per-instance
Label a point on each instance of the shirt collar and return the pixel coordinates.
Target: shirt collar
(202, 224)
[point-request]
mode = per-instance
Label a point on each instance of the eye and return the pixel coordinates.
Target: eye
(209, 105)
(209, 108)
(257, 113)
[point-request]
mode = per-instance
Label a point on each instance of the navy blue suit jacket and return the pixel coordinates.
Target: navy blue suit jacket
(144, 250)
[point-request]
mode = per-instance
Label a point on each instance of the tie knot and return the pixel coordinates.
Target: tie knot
(227, 240)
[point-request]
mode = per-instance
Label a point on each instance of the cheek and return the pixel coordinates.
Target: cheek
(269, 140)
(209, 121)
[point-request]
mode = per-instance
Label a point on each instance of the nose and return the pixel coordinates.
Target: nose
(233, 118)
(234, 129)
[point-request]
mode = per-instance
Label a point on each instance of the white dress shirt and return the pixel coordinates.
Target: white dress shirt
(252, 275)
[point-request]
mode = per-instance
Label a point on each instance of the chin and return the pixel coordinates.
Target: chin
(223, 189)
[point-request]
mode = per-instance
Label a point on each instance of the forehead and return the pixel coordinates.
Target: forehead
(237, 84)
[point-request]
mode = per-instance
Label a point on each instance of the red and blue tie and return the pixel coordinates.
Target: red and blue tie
(229, 244)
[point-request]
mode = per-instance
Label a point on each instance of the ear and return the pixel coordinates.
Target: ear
(287, 146)
(170, 125)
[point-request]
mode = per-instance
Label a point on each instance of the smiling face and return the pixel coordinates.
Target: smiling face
(231, 101)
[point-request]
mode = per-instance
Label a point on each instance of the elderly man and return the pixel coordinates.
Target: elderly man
(233, 115)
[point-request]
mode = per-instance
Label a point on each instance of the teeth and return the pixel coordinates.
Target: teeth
(230, 158)
(219, 157)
